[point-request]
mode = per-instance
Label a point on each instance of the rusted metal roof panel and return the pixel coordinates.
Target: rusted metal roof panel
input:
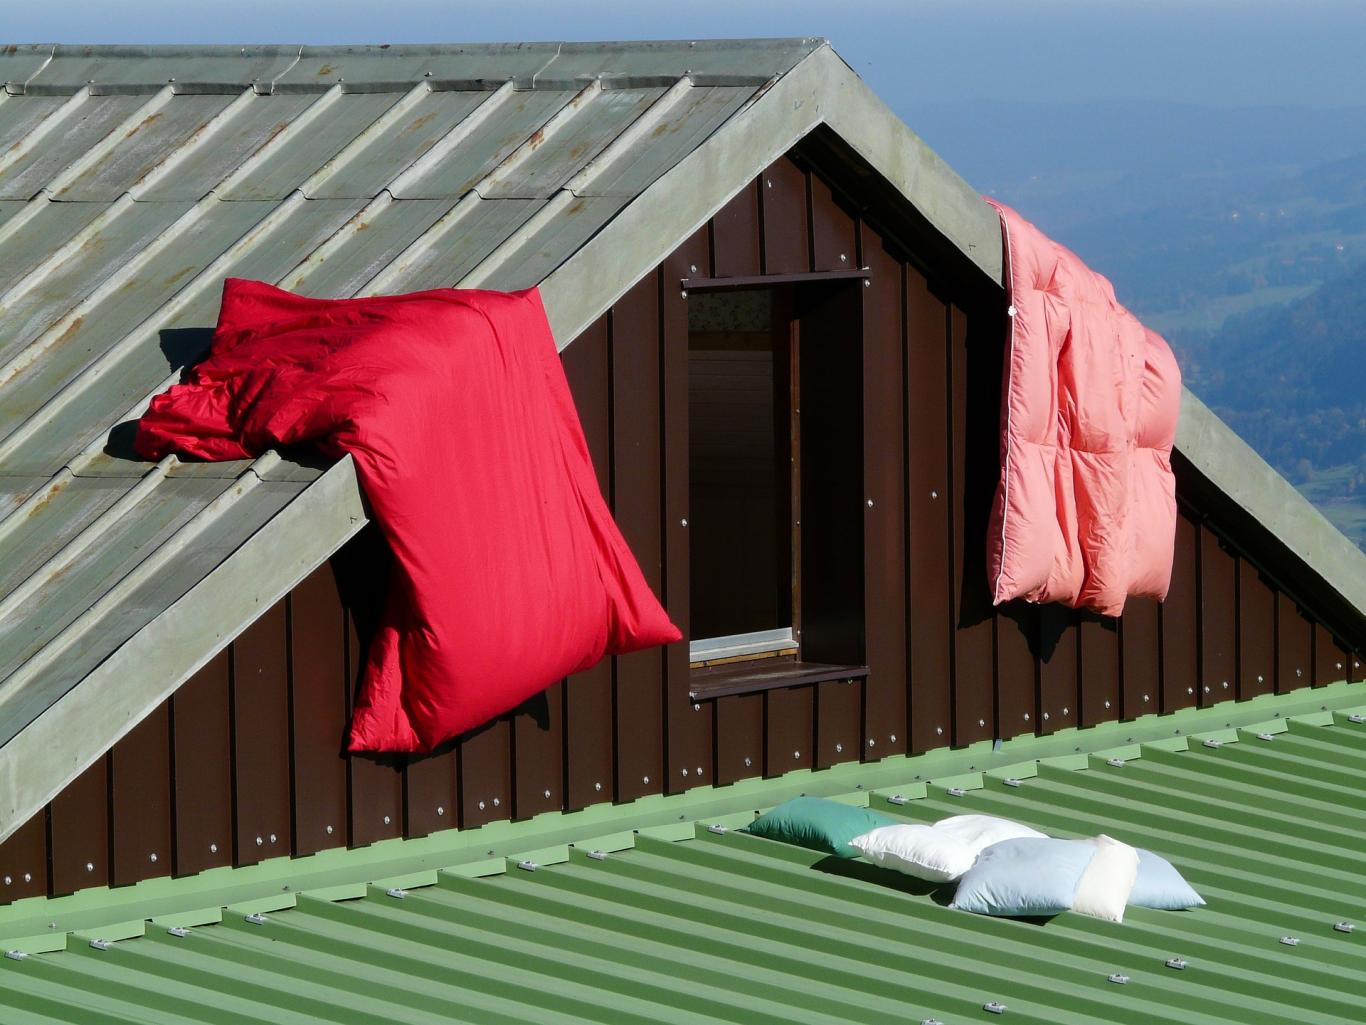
(134, 180)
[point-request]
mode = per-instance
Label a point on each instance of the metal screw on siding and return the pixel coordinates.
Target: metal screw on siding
(683, 293)
(870, 503)
(891, 739)
(796, 754)
(1045, 716)
(1189, 690)
(8, 880)
(939, 730)
(1225, 685)
(1066, 711)
(692, 268)
(28, 876)
(1206, 688)
(273, 838)
(90, 866)
(597, 786)
(1299, 672)
(697, 707)
(151, 857)
(260, 841)
(748, 762)
(698, 770)
(1339, 665)
(213, 847)
(1260, 678)
(386, 822)
(769, 182)
(547, 794)
(1107, 704)
(329, 830)
(981, 722)
(843, 258)
(685, 772)
(645, 780)
(934, 494)
(684, 521)
(839, 748)
(481, 805)
(496, 802)
(1026, 717)
(440, 810)
(871, 742)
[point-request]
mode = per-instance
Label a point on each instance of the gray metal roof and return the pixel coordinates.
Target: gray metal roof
(133, 180)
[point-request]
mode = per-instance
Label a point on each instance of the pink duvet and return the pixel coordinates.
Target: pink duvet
(1085, 509)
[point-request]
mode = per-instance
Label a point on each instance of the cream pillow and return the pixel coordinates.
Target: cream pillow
(1105, 886)
(940, 853)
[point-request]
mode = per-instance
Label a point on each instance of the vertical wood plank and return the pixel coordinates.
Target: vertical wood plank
(201, 729)
(317, 712)
(739, 737)
(1017, 669)
(589, 736)
(688, 726)
(1294, 646)
(486, 774)
(538, 743)
(735, 235)
(1100, 667)
(429, 792)
(973, 403)
(1180, 621)
(928, 508)
(23, 860)
(1218, 619)
(140, 798)
(1330, 661)
(637, 455)
(1141, 655)
(78, 825)
(260, 708)
(784, 212)
(1256, 632)
(374, 782)
(885, 482)
(788, 717)
(833, 245)
(1058, 644)
(839, 722)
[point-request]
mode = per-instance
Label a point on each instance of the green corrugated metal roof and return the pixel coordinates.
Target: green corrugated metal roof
(701, 923)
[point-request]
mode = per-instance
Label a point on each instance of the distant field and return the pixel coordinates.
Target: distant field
(1347, 512)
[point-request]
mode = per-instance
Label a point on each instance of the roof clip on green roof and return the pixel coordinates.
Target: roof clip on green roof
(397, 892)
(994, 1007)
(528, 866)
(256, 919)
(178, 931)
(1115, 763)
(718, 830)
(1344, 926)
(956, 792)
(1011, 782)
(896, 799)
(1118, 979)
(16, 955)
(1357, 719)
(1268, 737)
(100, 944)
(1179, 963)
(1214, 743)
(598, 855)
(931, 1021)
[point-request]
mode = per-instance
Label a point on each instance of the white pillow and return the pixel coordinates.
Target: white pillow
(940, 853)
(1105, 886)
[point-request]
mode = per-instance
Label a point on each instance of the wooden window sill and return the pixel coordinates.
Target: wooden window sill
(764, 674)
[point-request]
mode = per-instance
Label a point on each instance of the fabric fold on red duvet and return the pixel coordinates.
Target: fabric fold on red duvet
(511, 573)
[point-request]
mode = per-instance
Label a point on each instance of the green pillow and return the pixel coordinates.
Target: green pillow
(818, 824)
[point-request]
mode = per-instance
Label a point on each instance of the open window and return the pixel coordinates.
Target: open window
(775, 484)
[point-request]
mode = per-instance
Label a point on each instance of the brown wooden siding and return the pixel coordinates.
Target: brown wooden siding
(253, 745)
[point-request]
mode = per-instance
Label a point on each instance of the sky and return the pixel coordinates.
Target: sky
(912, 52)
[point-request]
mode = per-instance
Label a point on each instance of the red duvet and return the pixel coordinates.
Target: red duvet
(455, 409)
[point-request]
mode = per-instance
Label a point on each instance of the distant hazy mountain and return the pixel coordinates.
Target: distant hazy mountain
(1240, 234)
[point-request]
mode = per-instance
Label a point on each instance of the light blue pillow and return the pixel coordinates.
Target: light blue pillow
(1028, 876)
(1161, 886)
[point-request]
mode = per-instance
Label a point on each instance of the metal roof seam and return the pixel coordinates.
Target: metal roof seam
(375, 130)
(20, 148)
(143, 115)
(203, 135)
